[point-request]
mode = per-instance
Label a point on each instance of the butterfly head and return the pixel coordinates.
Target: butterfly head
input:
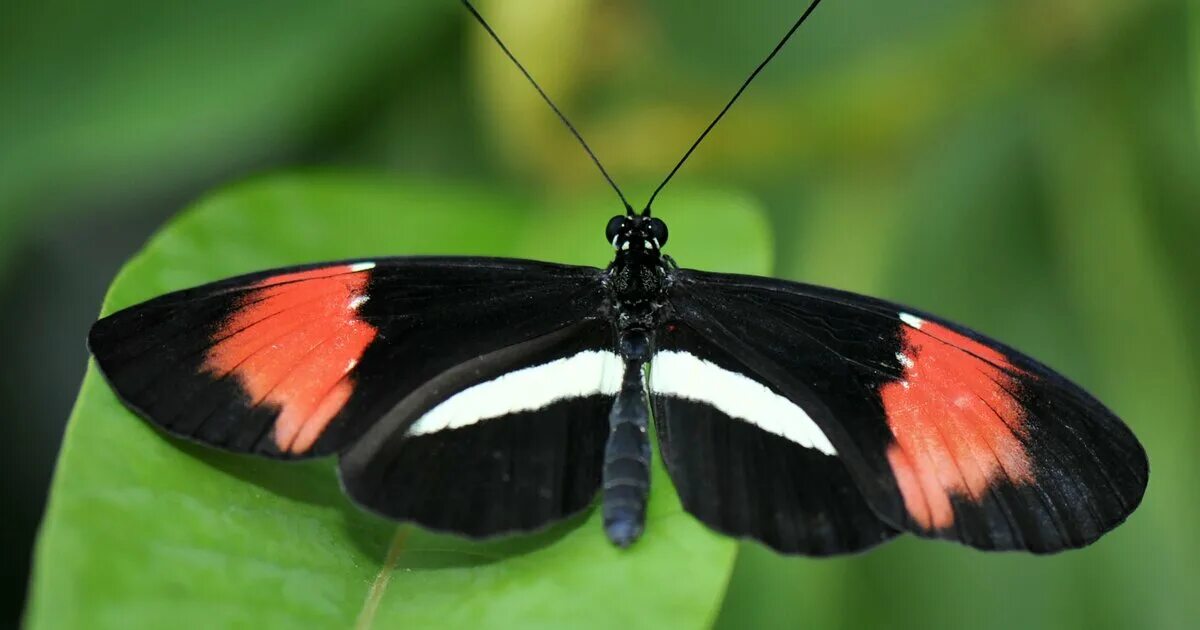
(636, 236)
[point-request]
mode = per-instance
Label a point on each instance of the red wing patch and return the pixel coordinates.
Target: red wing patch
(956, 424)
(292, 343)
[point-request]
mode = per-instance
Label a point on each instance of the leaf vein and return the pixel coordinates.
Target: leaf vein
(366, 616)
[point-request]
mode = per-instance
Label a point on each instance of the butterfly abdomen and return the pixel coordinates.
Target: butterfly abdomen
(626, 475)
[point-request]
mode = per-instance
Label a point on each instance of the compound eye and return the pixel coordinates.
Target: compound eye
(658, 231)
(615, 225)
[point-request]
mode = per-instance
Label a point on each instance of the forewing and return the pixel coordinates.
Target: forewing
(946, 433)
(301, 362)
(748, 462)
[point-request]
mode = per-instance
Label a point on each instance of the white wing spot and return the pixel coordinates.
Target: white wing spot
(357, 301)
(362, 266)
(904, 360)
(912, 320)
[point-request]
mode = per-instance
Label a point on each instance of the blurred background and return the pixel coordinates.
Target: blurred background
(1029, 168)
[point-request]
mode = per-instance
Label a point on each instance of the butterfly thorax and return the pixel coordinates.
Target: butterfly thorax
(638, 276)
(637, 292)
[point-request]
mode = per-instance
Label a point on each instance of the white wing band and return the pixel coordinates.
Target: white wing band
(685, 376)
(585, 374)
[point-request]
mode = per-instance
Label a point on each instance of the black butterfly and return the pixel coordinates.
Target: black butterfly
(484, 396)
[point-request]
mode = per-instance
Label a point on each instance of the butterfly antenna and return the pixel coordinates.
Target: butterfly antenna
(745, 84)
(561, 116)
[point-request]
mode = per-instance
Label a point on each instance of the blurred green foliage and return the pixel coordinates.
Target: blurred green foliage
(1025, 167)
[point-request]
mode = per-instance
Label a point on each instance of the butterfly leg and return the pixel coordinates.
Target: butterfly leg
(627, 454)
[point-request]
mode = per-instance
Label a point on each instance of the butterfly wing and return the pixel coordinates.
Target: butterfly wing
(466, 394)
(519, 443)
(944, 432)
(300, 362)
(747, 462)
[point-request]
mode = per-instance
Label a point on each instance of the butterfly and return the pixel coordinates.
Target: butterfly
(488, 396)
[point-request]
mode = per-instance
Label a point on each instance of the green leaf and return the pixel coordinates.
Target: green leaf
(147, 531)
